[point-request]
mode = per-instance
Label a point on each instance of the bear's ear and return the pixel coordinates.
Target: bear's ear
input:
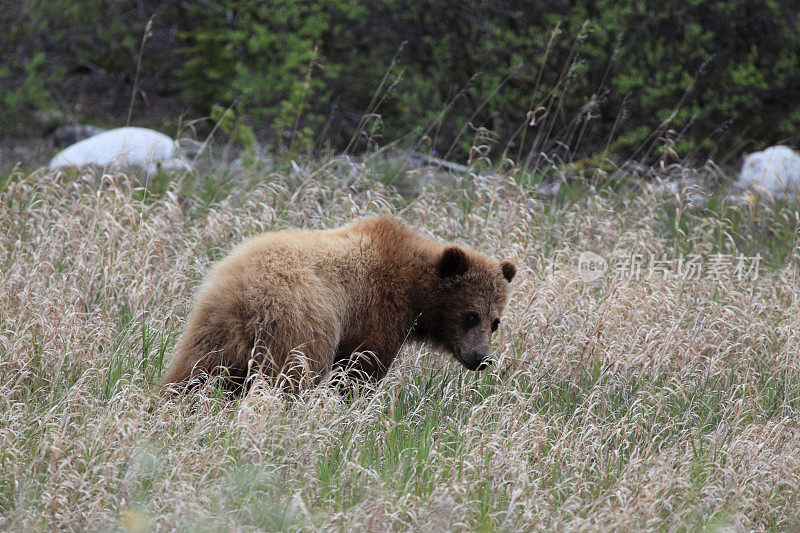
(509, 270)
(453, 262)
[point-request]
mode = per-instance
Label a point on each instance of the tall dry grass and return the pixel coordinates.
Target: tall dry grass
(622, 404)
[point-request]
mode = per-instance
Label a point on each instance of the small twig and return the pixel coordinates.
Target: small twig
(209, 137)
(147, 29)
(376, 99)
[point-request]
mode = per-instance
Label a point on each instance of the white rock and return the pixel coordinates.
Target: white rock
(123, 147)
(775, 170)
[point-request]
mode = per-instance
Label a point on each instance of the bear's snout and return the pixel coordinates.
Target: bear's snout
(485, 362)
(477, 360)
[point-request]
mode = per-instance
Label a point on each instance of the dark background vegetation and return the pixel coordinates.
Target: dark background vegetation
(708, 78)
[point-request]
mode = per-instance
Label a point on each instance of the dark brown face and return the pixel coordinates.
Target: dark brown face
(472, 299)
(472, 347)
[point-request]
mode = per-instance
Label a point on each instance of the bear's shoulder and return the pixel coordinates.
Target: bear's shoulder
(394, 238)
(380, 225)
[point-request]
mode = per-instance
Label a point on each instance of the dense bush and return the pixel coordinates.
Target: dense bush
(592, 74)
(80, 58)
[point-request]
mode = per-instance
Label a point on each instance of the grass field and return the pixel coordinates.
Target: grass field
(667, 403)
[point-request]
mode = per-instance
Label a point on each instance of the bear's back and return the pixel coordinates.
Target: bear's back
(273, 268)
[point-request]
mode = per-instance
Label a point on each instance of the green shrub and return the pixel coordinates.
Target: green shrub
(594, 76)
(24, 88)
(80, 58)
(261, 57)
(609, 73)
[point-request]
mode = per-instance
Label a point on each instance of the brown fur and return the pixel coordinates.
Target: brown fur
(294, 304)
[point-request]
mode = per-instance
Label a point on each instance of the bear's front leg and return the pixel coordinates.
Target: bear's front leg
(359, 363)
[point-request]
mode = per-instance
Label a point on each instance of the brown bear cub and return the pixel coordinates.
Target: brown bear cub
(293, 305)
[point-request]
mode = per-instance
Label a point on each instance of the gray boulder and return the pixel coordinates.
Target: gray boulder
(71, 133)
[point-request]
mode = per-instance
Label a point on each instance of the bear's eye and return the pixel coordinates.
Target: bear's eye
(495, 324)
(471, 319)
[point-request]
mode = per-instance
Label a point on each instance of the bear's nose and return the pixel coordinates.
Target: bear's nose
(484, 361)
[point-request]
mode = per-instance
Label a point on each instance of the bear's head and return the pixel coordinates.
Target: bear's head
(466, 305)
